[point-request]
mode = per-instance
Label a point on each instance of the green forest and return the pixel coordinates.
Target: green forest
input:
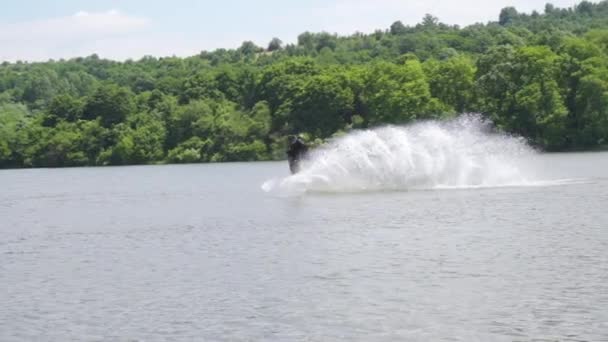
(543, 76)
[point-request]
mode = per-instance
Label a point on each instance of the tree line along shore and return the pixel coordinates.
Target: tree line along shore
(543, 76)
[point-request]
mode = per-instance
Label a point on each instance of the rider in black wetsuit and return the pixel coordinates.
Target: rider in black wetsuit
(296, 151)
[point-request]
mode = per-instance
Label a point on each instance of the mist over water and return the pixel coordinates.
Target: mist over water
(464, 152)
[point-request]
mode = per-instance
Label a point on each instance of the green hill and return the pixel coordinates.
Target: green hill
(542, 76)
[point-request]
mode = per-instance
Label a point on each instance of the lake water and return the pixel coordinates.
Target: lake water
(217, 252)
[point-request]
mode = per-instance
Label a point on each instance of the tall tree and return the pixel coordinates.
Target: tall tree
(111, 103)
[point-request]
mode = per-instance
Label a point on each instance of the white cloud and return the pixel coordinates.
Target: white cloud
(110, 34)
(117, 35)
(52, 38)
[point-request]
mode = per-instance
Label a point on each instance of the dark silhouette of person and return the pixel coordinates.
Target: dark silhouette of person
(296, 151)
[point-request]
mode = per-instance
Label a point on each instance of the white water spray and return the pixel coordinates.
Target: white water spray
(459, 153)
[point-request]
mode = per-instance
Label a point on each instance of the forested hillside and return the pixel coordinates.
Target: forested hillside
(540, 75)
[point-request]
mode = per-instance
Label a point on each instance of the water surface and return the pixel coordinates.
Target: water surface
(201, 252)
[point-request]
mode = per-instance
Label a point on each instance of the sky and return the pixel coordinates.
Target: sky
(38, 30)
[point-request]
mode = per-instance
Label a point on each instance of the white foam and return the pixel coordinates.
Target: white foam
(459, 153)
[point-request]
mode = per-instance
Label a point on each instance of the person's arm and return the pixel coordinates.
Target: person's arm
(292, 150)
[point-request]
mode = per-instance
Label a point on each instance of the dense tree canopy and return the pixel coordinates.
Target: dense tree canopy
(540, 75)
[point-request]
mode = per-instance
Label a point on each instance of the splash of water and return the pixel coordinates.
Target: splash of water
(459, 153)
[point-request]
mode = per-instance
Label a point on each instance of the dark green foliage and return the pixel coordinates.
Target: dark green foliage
(543, 76)
(507, 15)
(398, 28)
(110, 103)
(452, 81)
(275, 44)
(398, 94)
(63, 107)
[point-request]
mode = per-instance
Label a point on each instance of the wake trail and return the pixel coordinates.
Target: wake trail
(464, 152)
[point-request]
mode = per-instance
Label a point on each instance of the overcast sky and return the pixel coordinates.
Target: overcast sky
(37, 30)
